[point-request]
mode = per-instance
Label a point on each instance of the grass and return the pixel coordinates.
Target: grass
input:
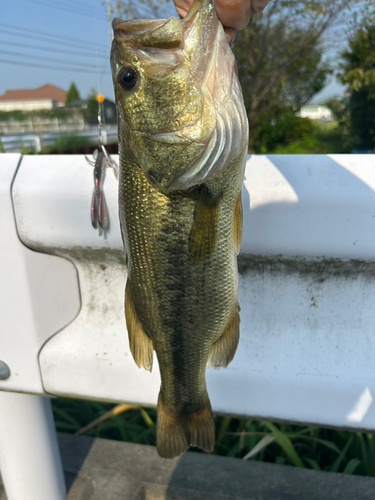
(284, 444)
(69, 141)
(326, 139)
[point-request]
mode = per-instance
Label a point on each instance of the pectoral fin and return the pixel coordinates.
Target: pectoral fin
(140, 343)
(237, 225)
(204, 231)
(224, 349)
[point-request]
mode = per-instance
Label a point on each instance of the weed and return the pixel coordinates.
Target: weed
(284, 444)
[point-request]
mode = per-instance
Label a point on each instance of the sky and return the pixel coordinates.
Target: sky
(77, 28)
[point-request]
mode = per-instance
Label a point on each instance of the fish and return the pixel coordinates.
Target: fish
(183, 139)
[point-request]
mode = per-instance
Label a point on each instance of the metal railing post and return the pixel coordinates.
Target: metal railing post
(30, 462)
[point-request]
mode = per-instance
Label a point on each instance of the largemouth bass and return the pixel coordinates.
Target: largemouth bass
(183, 138)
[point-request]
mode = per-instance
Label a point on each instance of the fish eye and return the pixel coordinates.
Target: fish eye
(127, 78)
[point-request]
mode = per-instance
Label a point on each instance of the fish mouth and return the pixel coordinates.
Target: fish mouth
(196, 138)
(159, 33)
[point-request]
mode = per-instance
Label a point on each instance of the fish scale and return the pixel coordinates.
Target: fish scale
(181, 293)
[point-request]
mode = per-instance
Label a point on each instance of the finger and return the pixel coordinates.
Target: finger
(182, 7)
(257, 6)
(234, 13)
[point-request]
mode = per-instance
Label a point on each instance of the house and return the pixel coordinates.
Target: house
(316, 112)
(47, 96)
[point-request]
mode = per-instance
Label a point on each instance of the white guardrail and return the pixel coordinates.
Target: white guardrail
(306, 290)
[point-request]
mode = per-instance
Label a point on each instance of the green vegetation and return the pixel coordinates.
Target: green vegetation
(18, 115)
(27, 150)
(279, 57)
(90, 112)
(279, 128)
(283, 444)
(72, 94)
(69, 141)
(358, 72)
(325, 138)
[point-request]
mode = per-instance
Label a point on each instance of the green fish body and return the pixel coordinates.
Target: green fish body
(183, 144)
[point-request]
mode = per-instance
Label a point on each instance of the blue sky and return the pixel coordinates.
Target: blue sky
(86, 23)
(77, 26)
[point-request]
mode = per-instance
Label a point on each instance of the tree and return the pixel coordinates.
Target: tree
(72, 94)
(358, 73)
(279, 54)
(91, 110)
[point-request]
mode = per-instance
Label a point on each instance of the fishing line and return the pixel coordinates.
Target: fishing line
(100, 97)
(100, 125)
(101, 160)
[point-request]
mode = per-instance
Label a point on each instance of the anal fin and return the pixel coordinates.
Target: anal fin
(223, 350)
(176, 432)
(237, 223)
(140, 343)
(204, 231)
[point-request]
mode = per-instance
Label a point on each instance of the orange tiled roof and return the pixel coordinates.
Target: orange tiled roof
(47, 91)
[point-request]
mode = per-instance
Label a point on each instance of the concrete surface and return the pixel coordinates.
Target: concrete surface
(99, 469)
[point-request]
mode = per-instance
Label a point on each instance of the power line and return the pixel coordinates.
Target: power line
(52, 49)
(66, 8)
(46, 67)
(30, 56)
(44, 38)
(47, 34)
(77, 3)
(83, 10)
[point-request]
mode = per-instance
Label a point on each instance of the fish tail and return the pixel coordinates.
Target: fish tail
(176, 432)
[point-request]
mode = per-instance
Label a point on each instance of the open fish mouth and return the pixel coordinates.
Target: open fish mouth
(190, 59)
(160, 33)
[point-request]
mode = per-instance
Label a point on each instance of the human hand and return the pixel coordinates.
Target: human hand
(234, 14)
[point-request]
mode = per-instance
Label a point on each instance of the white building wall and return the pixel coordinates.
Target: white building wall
(28, 105)
(316, 112)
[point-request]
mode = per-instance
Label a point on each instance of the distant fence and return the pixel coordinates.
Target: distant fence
(39, 124)
(37, 141)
